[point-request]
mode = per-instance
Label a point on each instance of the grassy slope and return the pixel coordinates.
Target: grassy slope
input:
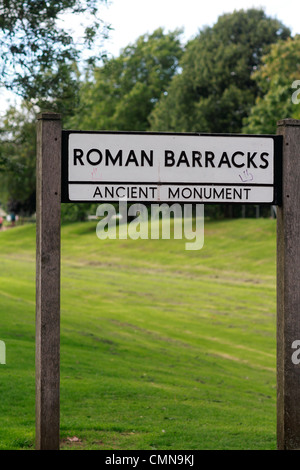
(161, 348)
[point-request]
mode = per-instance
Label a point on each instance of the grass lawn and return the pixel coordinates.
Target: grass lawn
(161, 348)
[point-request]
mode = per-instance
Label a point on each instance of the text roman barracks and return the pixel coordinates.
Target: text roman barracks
(193, 158)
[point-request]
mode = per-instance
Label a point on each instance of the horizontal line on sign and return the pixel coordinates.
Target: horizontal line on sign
(67, 132)
(206, 202)
(170, 183)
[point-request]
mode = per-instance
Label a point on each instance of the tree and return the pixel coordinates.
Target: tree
(40, 61)
(278, 81)
(121, 94)
(18, 151)
(36, 53)
(214, 91)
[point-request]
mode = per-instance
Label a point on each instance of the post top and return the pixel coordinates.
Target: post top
(288, 122)
(49, 116)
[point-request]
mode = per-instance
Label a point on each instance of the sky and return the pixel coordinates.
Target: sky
(133, 18)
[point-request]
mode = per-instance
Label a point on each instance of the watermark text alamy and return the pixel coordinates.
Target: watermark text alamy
(140, 222)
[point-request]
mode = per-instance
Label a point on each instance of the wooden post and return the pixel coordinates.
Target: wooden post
(48, 175)
(288, 289)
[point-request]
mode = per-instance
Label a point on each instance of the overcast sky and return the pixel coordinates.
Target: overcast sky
(132, 18)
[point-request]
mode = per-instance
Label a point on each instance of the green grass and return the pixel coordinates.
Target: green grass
(161, 348)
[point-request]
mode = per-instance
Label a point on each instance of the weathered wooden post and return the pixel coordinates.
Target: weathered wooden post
(48, 176)
(288, 289)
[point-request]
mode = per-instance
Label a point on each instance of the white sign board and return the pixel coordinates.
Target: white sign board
(148, 167)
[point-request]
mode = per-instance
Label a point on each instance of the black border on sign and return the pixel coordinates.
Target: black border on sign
(277, 167)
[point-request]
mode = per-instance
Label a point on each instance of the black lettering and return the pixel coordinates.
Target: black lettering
(228, 193)
(250, 159)
(266, 163)
(145, 157)
(196, 158)
(219, 195)
(109, 192)
(97, 151)
(224, 160)
(114, 160)
(247, 191)
(131, 159)
(198, 192)
(153, 189)
(78, 154)
(97, 192)
(237, 193)
(117, 192)
(143, 192)
(234, 162)
(173, 195)
(189, 193)
(169, 157)
(207, 196)
(183, 159)
(209, 156)
(133, 191)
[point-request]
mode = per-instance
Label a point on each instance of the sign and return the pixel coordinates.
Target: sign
(163, 167)
(229, 161)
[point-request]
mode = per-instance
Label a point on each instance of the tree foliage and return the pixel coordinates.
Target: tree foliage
(37, 51)
(214, 91)
(122, 93)
(18, 150)
(40, 61)
(245, 59)
(277, 98)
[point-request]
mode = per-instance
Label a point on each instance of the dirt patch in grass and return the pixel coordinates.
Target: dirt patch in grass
(72, 442)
